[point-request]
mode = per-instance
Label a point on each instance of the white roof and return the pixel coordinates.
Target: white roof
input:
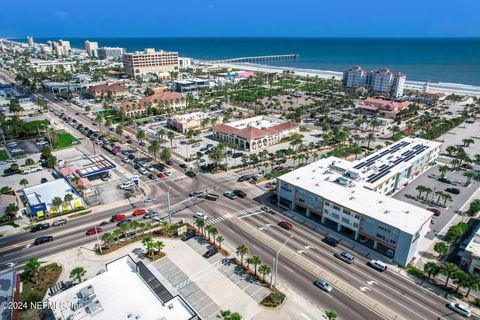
(120, 293)
(45, 192)
(474, 244)
(318, 178)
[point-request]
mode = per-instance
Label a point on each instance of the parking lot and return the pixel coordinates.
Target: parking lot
(455, 137)
(212, 284)
(430, 179)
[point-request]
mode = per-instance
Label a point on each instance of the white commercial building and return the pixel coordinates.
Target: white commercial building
(126, 290)
(30, 41)
(90, 47)
(51, 65)
(355, 77)
(471, 254)
(109, 52)
(184, 63)
(351, 197)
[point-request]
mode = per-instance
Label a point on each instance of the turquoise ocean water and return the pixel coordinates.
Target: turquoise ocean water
(454, 60)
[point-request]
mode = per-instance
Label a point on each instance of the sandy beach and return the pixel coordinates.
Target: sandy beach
(442, 87)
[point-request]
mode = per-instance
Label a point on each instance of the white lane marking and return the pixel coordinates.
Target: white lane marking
(372, 282)
(303, 315)
(363, 289)
(301, 251)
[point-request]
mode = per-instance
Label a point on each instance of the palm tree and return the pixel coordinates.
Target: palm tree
(443, 170)
(431, 268)
(220, 240)
(165, 154)
(154, 147)
(74, 179)
(439, 194)
(427, 192)
(171, 136)
(31, 268)
(24, 182)
(264, 269)
(473, 282)
(57, 202)
(446, 197)
(242, 250)
(125, 228)
(160, 133)
(68, 198)
(119, 129)
(420, 189)
(441, 248)
(78, 273)
(11, 211)
(207, 230)
(370, 138)
(217, 154)
(256, 261)
(448, 269)
(331, 315)
(213, 231)
(470, 175)
(141, 135)
(460, 278)
(107, 239)
(159, 245)
(200, 223)
(229, 315)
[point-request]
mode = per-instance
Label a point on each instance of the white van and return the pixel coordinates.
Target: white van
(377, 264)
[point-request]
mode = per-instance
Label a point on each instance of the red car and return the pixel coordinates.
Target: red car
(128, 137)
(93, 231)
(117, 217)
(435, 211)
(285, 225)
(161, 175)
(139, 212)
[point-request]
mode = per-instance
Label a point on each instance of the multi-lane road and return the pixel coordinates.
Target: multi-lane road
(304, 258)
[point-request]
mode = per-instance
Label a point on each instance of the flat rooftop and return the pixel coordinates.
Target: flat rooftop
(121, 292)
(474, 245)
(99, 164)
(45, 192)
(321, 178)
(259, 122)
(383, 164)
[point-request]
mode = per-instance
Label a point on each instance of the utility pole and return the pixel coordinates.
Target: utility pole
(98, 240)
(169, 207)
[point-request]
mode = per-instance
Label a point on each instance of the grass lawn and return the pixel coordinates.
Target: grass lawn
(3, 155)
(64, 140)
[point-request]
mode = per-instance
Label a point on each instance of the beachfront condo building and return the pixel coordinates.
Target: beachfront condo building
(149, 61)
(353, 198)
(90, 47)
(106, 53)
(30, 41)
(381, 81)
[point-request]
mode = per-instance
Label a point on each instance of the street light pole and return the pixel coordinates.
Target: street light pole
(169, 207)
(276, 258)
(98, 241)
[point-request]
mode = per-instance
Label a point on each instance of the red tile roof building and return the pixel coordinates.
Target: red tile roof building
(163, 100)
(255, 133)
(109, 90)
(389, 108)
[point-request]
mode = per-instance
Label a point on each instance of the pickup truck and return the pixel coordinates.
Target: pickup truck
(60, 222)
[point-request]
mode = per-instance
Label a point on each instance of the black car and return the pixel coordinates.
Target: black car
(190, 174)
(240, 193)
(43, 180)
(104, 176)
(136, 166)
(210, 253)
(196, 194)
(330, 241)
(189, 235)
(43, 240)
(244, 178)
(129, 141)
(183, 165)
(151, 176)
(123, 222)
(445, 180)
(39, 227)
(237, 155)
(169, 162)
(453, 190)
(211, 196)
(131, 156)
(199, 154)
(143, 143)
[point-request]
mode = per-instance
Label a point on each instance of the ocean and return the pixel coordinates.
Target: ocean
(452, 60)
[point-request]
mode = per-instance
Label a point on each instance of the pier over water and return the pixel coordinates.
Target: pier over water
(258, 58)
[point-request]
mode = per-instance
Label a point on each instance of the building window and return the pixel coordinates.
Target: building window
(336, 208)
(355, 225)
(327, 203)
(347, 212)
(345, 220)
(325, 211)
(336, 216)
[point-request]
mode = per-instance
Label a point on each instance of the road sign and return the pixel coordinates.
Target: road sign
(181, 230)
(136, 180)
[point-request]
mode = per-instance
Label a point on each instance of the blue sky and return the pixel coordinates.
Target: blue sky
(236, 18)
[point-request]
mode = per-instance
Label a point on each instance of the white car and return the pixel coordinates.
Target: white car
(460, 309)
(143, 171)
(41, 143)
(126, 185)
(377, 264)
(126, 160)
(150, 168)
(200, 215)
(149, 199)
(167, 173)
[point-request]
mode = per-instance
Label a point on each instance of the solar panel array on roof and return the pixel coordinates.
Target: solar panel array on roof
(157, 287)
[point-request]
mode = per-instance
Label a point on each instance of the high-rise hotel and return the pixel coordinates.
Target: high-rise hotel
(149, 61)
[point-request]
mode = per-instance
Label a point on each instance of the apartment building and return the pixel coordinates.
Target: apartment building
(381, 81)
(61, 48)
(149, 61)
(30, 42)
(51, 65)
(90, 47)
(105, 53)
(351, 198)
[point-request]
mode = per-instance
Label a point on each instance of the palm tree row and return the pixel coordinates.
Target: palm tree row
(210, 231)
(126, 231)
(451, 271)
(263, 268)
(437, 195)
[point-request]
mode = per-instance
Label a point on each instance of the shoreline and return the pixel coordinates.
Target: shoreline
(435, 87)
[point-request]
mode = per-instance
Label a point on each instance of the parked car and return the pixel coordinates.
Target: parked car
(324, 285)
(453, 190)
(189, 235)
(210, 253)
(143, 171)
(149, 215)
(104, 176)
(43, 240)
(230, 195)
(149, 199)
(151, 176)
(138, 212)
(169, 162)
(435, 211)
(240, 193)
(161, 175)
(279, 168)
(445, 180)
(211, 196)
(377, 264)
(345, 256)
(330, 241)
(93, 231)
(38, 227)
(200, 215)
(244, 178)
(237, 155)
(117, 217)
(285, 225)
(196, 194)
(43, 180)
(460, 309)
(183, 166)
